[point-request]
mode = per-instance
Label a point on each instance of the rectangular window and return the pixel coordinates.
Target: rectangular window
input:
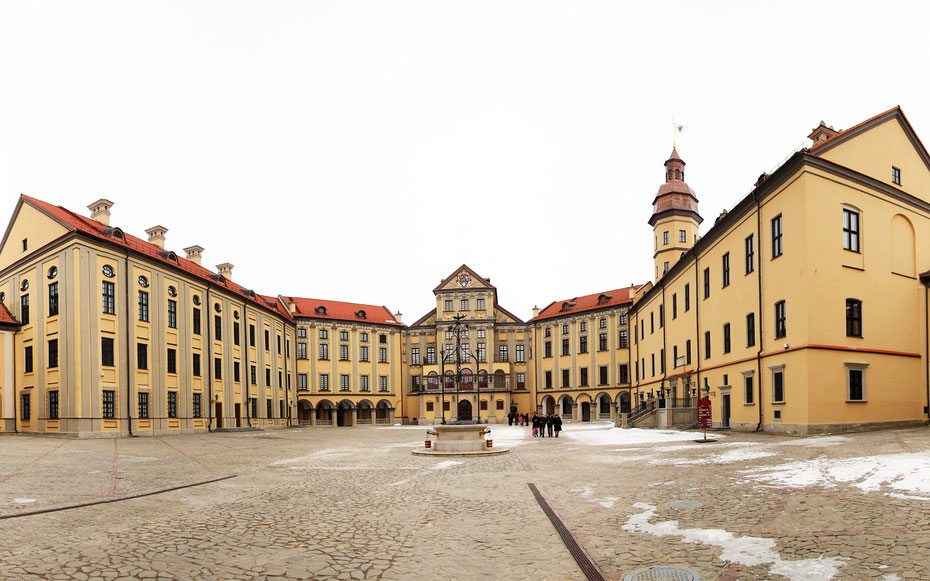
(142, 356)
(343, 353)
(624, 339)
(850, 230)
(53, 405)
(624, 373)
(382, 355)
(856, 380)
(447, 305)
(602, 323)
(217, 368)
(344, 382)
(706, 344)
(324, 333)
(324, 382)
(301, 350)
(253, 374)
(726, 269)
(583, 376)
(564, 329)
(688, 352)
(682, 236)
(217, 328)
(751, 330)
(750, 254)
(25, 413)
(707, 282)
(414, 355)
(661, 360)
(895, 176)
(172, 361)
(363, 383)
(236, 372)
(382, 383)
(521, 358)
(548, 380)
(53, 299)
(653, 363)
(195, 364)
(781, 328)
(776, 236)
(778, 386)
(602, 342)
(748, 391)
(278, 337)
(430, 355)
(687, 297)
(853, 318)
(324, 351)
(24, 309)
(302, 333)
(463, 305)
(267, 340)
(109, 404)
(143, 306)
(665, 238)
(602, 375)
(566, 348)
(253, 403)
(235, 332)
(661, 316)
(363, 353)
(583, 344)
(674, 305)
(302, 384)
(172, 404)
(172, 314)
(196, 409)
(251, 335)
(268, 376)
(195, 321)
(108, 301)
(521, 381)
(547, 349)
(143, 405)
(106, 351)
(652, 323)
(343, 335)
(566, 376)
(269, 409)
(584, 326)
(502, 355)
(726, 337)
(52, 353)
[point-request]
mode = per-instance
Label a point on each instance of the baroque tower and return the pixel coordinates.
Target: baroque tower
(675, 217)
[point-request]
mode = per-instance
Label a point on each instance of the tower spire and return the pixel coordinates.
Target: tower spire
(675, 217)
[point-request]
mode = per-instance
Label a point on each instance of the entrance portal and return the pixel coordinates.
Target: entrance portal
(585, 411)
(725, 411)
(238, 415)
(219, 415)
(464, 413)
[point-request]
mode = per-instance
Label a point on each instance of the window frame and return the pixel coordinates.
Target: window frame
(781, 319)
(859, 368)
(852, 229)
(854, 320)
(777, 230)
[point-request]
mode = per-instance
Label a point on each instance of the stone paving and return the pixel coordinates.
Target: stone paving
(325, 503)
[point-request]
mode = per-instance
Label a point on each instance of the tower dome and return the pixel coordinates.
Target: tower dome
(675, 217)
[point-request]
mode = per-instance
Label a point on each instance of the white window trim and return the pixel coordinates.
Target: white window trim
(779, 368)
(857, 366)
(751, 373)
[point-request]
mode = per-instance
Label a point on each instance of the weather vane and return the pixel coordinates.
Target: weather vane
(676, 129)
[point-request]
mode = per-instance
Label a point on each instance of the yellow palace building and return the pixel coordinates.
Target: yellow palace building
(803, 309)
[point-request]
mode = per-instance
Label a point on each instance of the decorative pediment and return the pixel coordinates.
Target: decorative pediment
(464, 278)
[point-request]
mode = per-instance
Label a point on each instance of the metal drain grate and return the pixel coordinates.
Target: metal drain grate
(664, 573)
(590, 571)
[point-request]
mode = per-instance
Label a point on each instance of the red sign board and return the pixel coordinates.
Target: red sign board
(704, 414)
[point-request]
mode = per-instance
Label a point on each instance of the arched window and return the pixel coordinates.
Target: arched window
(482, 379)
(450, 379)
(677, 174)
(468, 379)
(432, 380)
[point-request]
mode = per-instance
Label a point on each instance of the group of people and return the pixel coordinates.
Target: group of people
(542, 424)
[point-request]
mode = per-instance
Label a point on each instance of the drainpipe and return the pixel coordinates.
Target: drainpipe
(697, 320)
(759, 285)
(205, 314)
(926, 351)
(245, 366)
(128, 348)
(15, 429)
(664, 350)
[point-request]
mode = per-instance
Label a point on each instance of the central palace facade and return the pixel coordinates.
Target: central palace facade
(803, 309)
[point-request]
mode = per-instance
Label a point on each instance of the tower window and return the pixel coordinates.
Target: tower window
(682, 236)
(665, 238)
(677, 174)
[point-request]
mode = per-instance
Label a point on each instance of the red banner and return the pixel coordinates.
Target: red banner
(705, 421)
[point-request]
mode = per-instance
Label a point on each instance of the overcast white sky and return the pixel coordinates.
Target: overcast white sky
(361, 151)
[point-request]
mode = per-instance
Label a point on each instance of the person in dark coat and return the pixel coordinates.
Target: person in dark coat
(558, 424)
(550, 424)
(510, 419)
(535, 426)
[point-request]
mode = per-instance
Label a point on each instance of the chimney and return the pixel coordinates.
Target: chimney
(292, 306)
(225, 270)
(399, 317)
(193, 254)
(100, 211)
(822, 133)
(535, 311)
(157, 236)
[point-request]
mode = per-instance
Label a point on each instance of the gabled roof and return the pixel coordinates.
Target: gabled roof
(342, 311)
(6, 317)
(474, 276)
(590, 302)
(114, 235)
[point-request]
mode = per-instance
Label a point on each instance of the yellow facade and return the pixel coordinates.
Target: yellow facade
(803, 309)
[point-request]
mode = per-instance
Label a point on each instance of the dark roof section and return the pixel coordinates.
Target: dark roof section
(7, 320)
(113, 235)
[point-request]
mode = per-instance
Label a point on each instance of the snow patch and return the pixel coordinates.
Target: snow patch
(903, 472)
(727, 457)
(24, 500)
(587, 493)
(446, 464)
(620, 437)
(746, 550)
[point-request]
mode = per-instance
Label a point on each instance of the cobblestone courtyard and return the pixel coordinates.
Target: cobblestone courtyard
(327, 503)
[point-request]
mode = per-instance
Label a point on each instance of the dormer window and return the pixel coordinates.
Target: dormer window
(360, 314)
(567, 306)
(604, 298)
(114, 232)
(168, 255)
(321, 310)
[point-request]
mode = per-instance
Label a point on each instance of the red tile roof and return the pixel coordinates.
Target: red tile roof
(588, 303)
(98, 230)
(341, 311)
(6, 317)
(856, 126)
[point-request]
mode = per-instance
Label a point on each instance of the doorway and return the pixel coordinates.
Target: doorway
(219, 415)
(238, 415)
(725, 411)
(464, 413)
(585, 411)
